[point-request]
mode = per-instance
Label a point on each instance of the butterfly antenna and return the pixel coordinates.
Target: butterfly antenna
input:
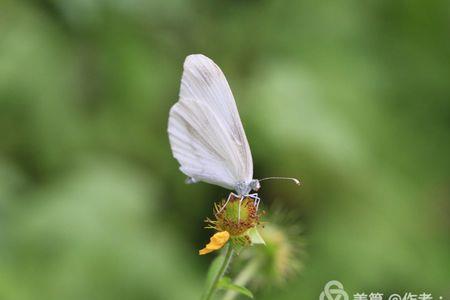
(297, 182)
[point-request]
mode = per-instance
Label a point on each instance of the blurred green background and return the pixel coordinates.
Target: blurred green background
(353, 97)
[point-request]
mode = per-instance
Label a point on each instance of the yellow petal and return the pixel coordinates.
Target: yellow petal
(215, 242)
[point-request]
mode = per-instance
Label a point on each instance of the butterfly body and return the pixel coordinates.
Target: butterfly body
(244, 188)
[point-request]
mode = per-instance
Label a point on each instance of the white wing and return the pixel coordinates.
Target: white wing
(205, 131)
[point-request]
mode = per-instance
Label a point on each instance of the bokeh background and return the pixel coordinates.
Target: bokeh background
(353, 97)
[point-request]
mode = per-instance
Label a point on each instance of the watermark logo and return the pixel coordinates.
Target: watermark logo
(334, 290)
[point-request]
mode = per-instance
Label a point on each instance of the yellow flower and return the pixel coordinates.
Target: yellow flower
(216, 242)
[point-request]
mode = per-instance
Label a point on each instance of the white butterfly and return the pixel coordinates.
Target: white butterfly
(205, 131)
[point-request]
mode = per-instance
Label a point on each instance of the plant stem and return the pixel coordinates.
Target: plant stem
(244, 277)
(213, 287)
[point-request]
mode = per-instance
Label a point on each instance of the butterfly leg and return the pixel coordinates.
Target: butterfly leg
(256, 199)
(239, 208)
(257, 203)
(226, 202)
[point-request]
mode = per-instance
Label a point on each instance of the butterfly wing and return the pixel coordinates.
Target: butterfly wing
(205, 131)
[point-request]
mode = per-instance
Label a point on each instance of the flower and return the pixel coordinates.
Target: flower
(236, 220)
(216, 242)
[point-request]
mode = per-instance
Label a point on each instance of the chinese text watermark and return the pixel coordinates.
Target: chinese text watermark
(334, 290)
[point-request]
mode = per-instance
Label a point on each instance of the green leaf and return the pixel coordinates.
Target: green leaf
(255, 237)
(226, 284)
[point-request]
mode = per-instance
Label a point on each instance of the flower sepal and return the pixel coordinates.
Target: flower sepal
(255, 237)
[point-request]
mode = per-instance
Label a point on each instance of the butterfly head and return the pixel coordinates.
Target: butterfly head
(255, 185)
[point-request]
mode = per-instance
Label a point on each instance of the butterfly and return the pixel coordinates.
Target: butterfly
(206, 133)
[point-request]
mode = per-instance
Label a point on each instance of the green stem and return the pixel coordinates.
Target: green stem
(244, 277)
(213, 287)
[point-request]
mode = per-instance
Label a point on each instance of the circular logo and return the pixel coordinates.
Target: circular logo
(334, 290)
